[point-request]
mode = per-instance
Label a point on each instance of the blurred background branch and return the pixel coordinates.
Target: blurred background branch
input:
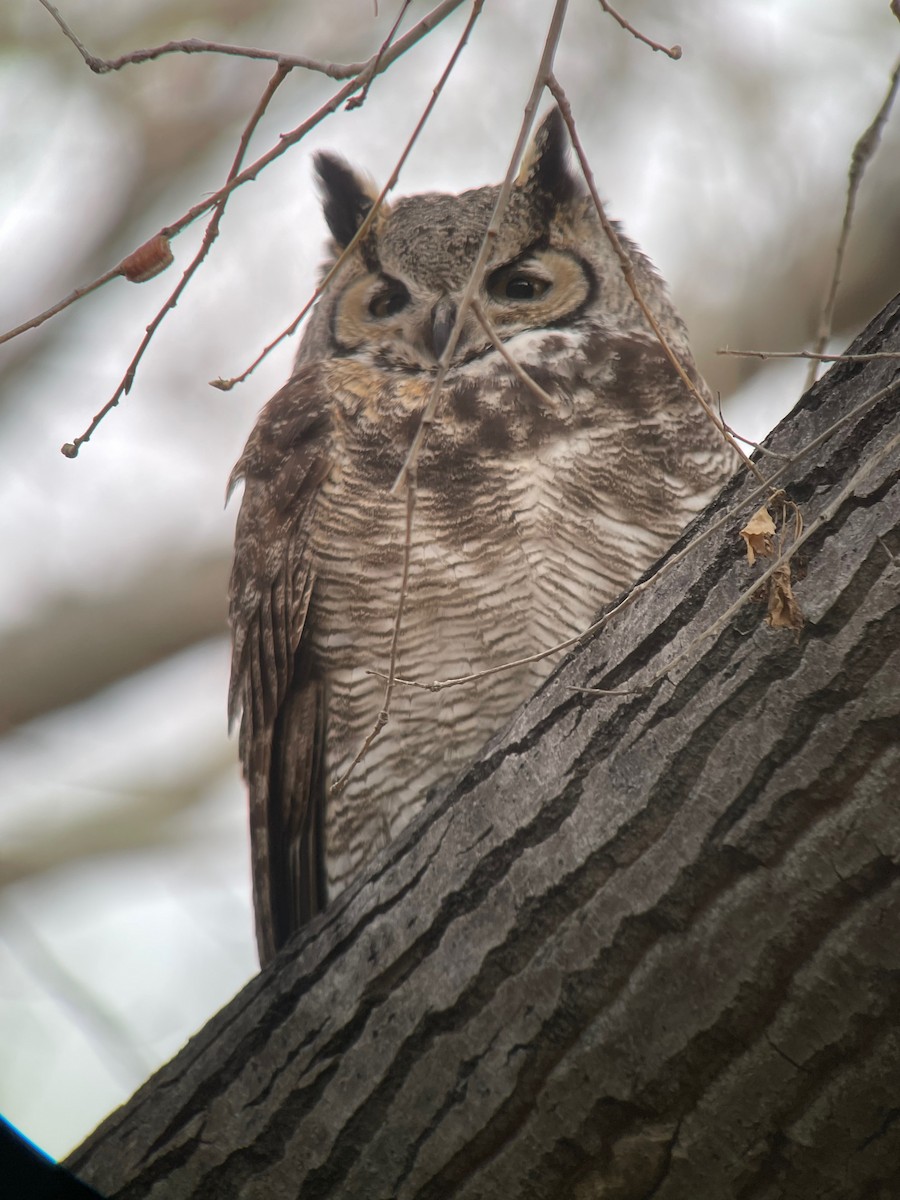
(72, 646)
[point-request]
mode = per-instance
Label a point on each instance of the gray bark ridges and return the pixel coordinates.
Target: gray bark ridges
(646, 946)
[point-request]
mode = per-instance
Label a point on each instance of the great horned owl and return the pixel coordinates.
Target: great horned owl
(530, 515)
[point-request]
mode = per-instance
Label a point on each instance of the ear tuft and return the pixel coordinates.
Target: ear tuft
(346, 197)
(545, 170)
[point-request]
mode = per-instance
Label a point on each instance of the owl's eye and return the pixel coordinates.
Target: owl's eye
(507, 284)
(389, 301)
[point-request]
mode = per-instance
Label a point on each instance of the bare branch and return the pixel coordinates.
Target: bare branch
(384, 715)
(672, 51)
(628, 271)
(359, 101)
(70, 449)
(859, 159)
(542, 75)
(408, 472)
(103, 66)
(765, 489)
(517, 370)
(227, 384)
(50, 657)
(758, 447)
(376, 65)
(807, 354)
(78, 293)
(55, 14)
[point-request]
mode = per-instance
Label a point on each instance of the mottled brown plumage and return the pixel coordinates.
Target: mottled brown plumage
(530, 515)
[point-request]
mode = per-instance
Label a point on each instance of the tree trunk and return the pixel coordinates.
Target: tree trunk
(647, 945)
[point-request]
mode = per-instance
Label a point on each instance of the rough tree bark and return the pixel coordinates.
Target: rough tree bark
(647, 945)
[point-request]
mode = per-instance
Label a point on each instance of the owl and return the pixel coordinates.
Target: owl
(534, 507)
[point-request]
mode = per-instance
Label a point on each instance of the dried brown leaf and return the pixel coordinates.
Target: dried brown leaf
(758, 534)
(784, 611)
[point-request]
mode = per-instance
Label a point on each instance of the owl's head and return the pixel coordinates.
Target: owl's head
(395, 300)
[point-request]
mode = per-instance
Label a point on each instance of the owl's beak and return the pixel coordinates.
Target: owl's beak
(443, 316)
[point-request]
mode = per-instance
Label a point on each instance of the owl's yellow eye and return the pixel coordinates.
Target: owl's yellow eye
(388, 302)
(516, 285)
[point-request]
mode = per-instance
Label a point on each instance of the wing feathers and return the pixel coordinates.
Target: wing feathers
(273, 681)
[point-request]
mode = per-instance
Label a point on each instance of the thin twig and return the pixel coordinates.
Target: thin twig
(70, 449)
(285, 142)
(542, 75)
(672, 51)
(103, 66)
(517, 369)
(34, 322)
(627, 268)
(758, 447)
(372, 215)
(359, 101)
(70, 34)
(862, 153)
(384, 715)
(827, 514)
(809, 354)
(408, 473)
(391, 678)
(766, 488)
(589, 691)
(888, 390)
(375, 66)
